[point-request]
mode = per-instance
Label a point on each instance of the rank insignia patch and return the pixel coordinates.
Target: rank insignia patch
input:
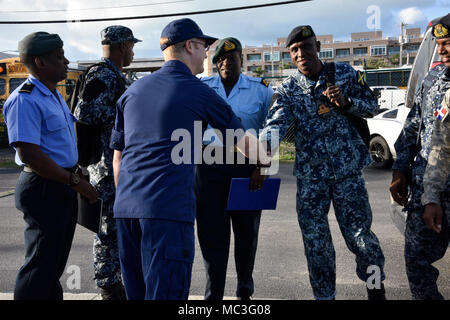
(228, 46)
(323, 109)
(306, 32)
(440, 31)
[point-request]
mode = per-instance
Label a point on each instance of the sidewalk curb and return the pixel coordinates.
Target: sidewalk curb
(67, 296)
(97, 296)
(5, 194)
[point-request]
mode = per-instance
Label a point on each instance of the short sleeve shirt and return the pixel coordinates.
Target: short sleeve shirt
(250, 100)
(42, 118)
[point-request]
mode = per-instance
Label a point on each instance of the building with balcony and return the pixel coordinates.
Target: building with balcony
(363, 48)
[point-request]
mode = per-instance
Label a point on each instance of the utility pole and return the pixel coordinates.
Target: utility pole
(402, 41)
(271, 58)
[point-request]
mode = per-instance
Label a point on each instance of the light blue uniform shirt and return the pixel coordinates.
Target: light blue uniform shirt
(249, 99)
(42, 119)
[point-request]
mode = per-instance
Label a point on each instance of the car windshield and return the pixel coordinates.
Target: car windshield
(391, 114)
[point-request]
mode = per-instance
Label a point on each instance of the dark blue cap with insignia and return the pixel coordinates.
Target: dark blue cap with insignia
(226, 45)
(441, 27)
(299, 33)
(40, 42)
(117, 34)
(181, 30)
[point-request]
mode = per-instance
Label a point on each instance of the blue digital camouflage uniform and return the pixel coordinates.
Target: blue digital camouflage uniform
(329, 158)
(97, 107)
(422, 245)
(438, 167)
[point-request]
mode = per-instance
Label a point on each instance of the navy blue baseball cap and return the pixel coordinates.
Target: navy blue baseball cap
(180, 30)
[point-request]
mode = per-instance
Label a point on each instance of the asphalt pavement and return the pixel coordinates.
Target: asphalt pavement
(280, 268)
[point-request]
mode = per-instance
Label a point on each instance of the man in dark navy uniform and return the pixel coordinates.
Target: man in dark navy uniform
(41, 129)
(155, 202)
(103, 85)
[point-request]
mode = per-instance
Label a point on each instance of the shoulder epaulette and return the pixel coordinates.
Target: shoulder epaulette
(265, 82)
(27, 88)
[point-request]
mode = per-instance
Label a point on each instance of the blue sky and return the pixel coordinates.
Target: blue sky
(252, 27)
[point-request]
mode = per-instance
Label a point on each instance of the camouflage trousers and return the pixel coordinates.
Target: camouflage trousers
(354, 216)
(106, 253)
(423, 246)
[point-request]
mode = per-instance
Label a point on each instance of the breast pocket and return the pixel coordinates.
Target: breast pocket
(249, 108)
(55, 123)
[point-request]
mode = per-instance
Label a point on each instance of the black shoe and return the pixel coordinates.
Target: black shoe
(244, 295)
(116, 292)
(376, 294)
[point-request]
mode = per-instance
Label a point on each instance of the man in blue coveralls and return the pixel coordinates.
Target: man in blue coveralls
(329, 158)
(250, 99)
(41, 129)
(155, 202)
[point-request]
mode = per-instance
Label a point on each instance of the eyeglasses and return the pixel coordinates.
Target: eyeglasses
(202, 43)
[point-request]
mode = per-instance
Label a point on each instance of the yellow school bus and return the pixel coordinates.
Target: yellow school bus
(13, 73)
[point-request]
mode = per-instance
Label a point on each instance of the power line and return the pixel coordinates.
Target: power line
(156, 16)
(98, 8)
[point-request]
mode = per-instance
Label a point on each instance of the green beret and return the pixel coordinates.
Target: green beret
(40, 42)
(226, 45)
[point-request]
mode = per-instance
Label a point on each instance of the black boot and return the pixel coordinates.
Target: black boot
(116, 292)
(376, 294)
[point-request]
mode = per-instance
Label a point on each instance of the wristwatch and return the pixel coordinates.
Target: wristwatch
(74, 178)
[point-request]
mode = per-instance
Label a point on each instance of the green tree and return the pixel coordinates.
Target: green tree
(395, 59)
(259, 71)
(376, 64)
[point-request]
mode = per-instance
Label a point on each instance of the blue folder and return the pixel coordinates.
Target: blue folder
(241, 198)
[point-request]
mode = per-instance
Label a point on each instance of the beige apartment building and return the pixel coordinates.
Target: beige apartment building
(363, 48)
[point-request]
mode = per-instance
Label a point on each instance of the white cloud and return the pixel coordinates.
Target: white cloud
(252, 27)
(411, 15)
